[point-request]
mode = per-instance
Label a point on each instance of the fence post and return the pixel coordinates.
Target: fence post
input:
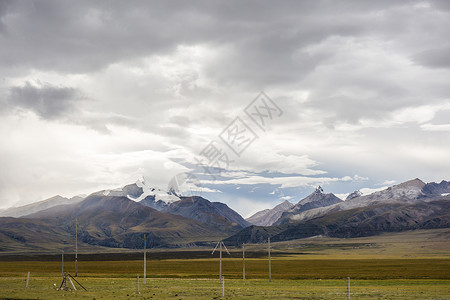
(137, 285)
(28, 278)
(348, 288)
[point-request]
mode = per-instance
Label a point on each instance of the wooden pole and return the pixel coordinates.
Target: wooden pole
(270, 267)
(76, 247)
(137, 285)
(223, 287)
(62, 263)
(73, 285)
(145, 259)
(348, 288)
(28, 279)
(65, 282)
(77, 282)
(243, 261)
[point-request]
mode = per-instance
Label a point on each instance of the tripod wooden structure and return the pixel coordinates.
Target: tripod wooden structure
(67, 279)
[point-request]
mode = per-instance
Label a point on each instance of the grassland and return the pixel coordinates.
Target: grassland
(125, 288)
(412, 265)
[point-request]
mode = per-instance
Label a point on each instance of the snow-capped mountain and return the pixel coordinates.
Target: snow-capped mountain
(408, 192)
(317, 199)
(158, 194)
(407, 206)
(142, 191)
(355, 194)
(285, 210)
(196, 208)
(267, 217)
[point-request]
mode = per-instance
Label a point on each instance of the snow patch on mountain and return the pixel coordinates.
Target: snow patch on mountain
(140, 190)
(158, 194)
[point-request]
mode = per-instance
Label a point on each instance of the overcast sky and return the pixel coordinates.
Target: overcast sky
(95, 94)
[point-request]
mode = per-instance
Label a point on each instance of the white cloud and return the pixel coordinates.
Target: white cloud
(284, 182)
(368, 191)
(342, 196)
(435, 127)
(387, 183)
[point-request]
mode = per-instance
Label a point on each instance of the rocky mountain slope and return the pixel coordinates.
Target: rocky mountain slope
(200, 209)
(317, 199)
(410, 205)
(407, 192)
(115, 218)
(268, 217)
(284, 211)
(38, 206)
(111, 221)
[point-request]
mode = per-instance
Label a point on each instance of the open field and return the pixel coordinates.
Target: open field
(125, 288)
(292, 278)
(411, 265)
(282, 268)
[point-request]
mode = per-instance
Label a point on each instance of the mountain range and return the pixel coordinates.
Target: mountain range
(407, 206)
(119, 218)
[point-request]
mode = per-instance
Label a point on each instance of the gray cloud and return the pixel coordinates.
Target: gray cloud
(87, 36)
(46, 100)
(434, 58)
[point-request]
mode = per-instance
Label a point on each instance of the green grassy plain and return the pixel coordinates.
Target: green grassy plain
(411, 265)
(175, 288)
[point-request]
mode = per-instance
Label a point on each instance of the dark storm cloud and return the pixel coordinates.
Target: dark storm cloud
(258, 44)
(85, 36)
(46, 100)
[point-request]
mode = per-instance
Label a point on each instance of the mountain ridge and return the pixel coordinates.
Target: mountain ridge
(406, 206)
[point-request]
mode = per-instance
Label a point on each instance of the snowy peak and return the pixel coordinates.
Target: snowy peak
(141, 190)
(316, 200)
(412, 184)
(155, 193)
(319, 190)
(405, 192)
(317, 196)
(353, 195)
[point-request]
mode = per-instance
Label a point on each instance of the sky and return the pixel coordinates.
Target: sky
(255, 102)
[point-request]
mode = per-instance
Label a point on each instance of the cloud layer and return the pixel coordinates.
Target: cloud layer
(94, 94)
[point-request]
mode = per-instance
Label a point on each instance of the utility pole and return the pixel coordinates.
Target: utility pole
(76, 247)
(219, 244)
(243, 261)
(145, 258)
(270, 271)
(62, 263)
(220, 268)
